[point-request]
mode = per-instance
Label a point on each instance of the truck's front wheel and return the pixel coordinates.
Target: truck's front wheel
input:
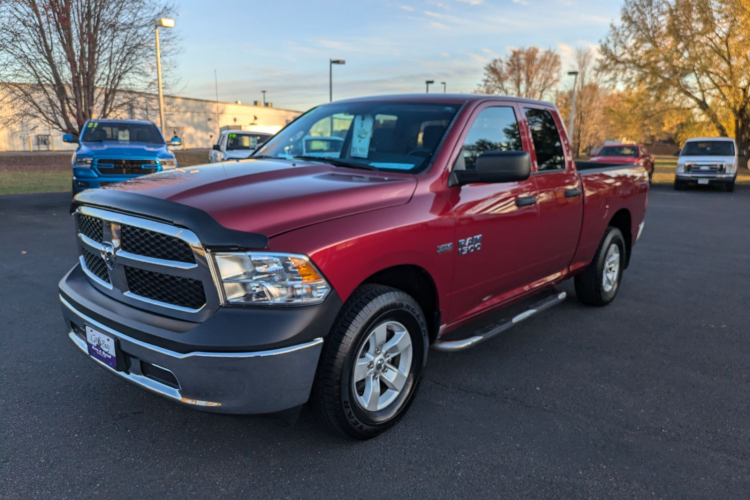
(599, 283)
(371, 362)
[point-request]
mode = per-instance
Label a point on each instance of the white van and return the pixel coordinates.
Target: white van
(707, 161)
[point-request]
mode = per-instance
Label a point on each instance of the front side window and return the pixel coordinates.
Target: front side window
(122, 132)
(390, 136)
(708, 148)
(495, 129)
(546, 138)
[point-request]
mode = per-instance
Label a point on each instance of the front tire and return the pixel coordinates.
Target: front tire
(599, 283)
(371, 362)
(730, 187)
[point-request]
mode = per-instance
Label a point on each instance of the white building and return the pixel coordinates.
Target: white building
(196, 121)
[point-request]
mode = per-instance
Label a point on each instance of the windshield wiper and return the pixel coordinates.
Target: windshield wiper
(335, 162)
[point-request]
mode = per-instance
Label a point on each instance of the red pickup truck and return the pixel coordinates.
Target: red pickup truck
(323, 274)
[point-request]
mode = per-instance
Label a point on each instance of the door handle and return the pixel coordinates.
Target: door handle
(525, 201)
(572, 193)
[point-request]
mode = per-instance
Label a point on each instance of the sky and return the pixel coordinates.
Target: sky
(390, 47)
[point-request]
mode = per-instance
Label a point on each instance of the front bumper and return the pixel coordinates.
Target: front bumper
(218, 365)
(711, 178)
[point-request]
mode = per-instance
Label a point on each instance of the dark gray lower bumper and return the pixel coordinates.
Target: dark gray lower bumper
(223, 382)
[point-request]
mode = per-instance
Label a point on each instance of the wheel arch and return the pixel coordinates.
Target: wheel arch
(417, 282)
(622, 220)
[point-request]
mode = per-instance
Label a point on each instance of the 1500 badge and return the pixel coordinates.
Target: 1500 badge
(469, 245)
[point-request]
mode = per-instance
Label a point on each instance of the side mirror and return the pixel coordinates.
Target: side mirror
(69, 138)
(176, 142)
(676, 153)
(216, 147)
(495, 167)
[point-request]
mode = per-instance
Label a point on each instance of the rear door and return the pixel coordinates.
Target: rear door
(559, 191)
(495, 223)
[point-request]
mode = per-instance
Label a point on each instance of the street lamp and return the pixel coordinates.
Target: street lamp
(427, 84)
(264, 97)
(164, 22)
(574, 74)
(445, 85)
(331, 62)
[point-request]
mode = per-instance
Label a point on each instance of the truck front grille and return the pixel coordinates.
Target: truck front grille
(183, 292)
(91, 227)
(150, 265)
(152, 244)
(126, 167)
(96, 265)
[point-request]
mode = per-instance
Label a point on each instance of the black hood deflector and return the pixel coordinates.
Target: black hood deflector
(209, 231)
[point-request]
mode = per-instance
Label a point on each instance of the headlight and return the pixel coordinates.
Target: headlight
(730, 168)
(165, 164)
(257, 278)
(82, 162)
(680, 169)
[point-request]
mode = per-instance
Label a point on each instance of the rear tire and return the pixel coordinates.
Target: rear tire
(599, 283)
(376, 349)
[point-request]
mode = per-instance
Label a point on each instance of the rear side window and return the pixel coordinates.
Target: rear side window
(546, 138)
(495, 129)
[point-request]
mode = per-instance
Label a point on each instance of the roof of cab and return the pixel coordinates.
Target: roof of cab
(115, 120)
(727, 139)
(444, 98)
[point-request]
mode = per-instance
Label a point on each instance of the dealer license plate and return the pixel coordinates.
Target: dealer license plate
(703, 181)
(101, 347)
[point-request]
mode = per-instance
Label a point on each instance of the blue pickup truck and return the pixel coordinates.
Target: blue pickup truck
(116, 150)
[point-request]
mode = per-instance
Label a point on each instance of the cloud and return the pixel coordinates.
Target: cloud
(521, 2)
(445, 54)
(407, 8)
(477, 57)
(491, 53)
(438, 25)
(432, 14)
(472, 2)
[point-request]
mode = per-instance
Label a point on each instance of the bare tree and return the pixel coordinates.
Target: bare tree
(526, 72)
(588, 131)
(66, 61)
(689, 53)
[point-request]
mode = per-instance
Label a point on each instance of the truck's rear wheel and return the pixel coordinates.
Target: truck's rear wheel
(599, 283)
(371, 362)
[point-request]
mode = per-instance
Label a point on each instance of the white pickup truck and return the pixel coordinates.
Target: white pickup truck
(707, 161)
(236, 145)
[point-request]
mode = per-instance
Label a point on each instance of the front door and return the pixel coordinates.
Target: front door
(495, 223)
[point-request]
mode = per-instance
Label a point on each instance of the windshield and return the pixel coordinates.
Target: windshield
(618, 151)
(708, 148)
(122, 132)
(236, 141)
(397, 136)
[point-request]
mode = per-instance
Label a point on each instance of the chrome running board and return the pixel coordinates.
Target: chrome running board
(496, 328)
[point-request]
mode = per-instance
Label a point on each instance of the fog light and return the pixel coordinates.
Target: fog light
(82, 184)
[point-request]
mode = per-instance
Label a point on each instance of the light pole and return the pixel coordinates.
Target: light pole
(445, 86)
(331, 62)
(427, 84)
(264, 97)
(164, 22)
(574, 74)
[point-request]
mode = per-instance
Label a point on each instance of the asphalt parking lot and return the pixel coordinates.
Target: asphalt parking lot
(649, 397)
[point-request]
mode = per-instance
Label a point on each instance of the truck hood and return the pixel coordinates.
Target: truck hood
(271, 197)
(709, 160)
(123, 150)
